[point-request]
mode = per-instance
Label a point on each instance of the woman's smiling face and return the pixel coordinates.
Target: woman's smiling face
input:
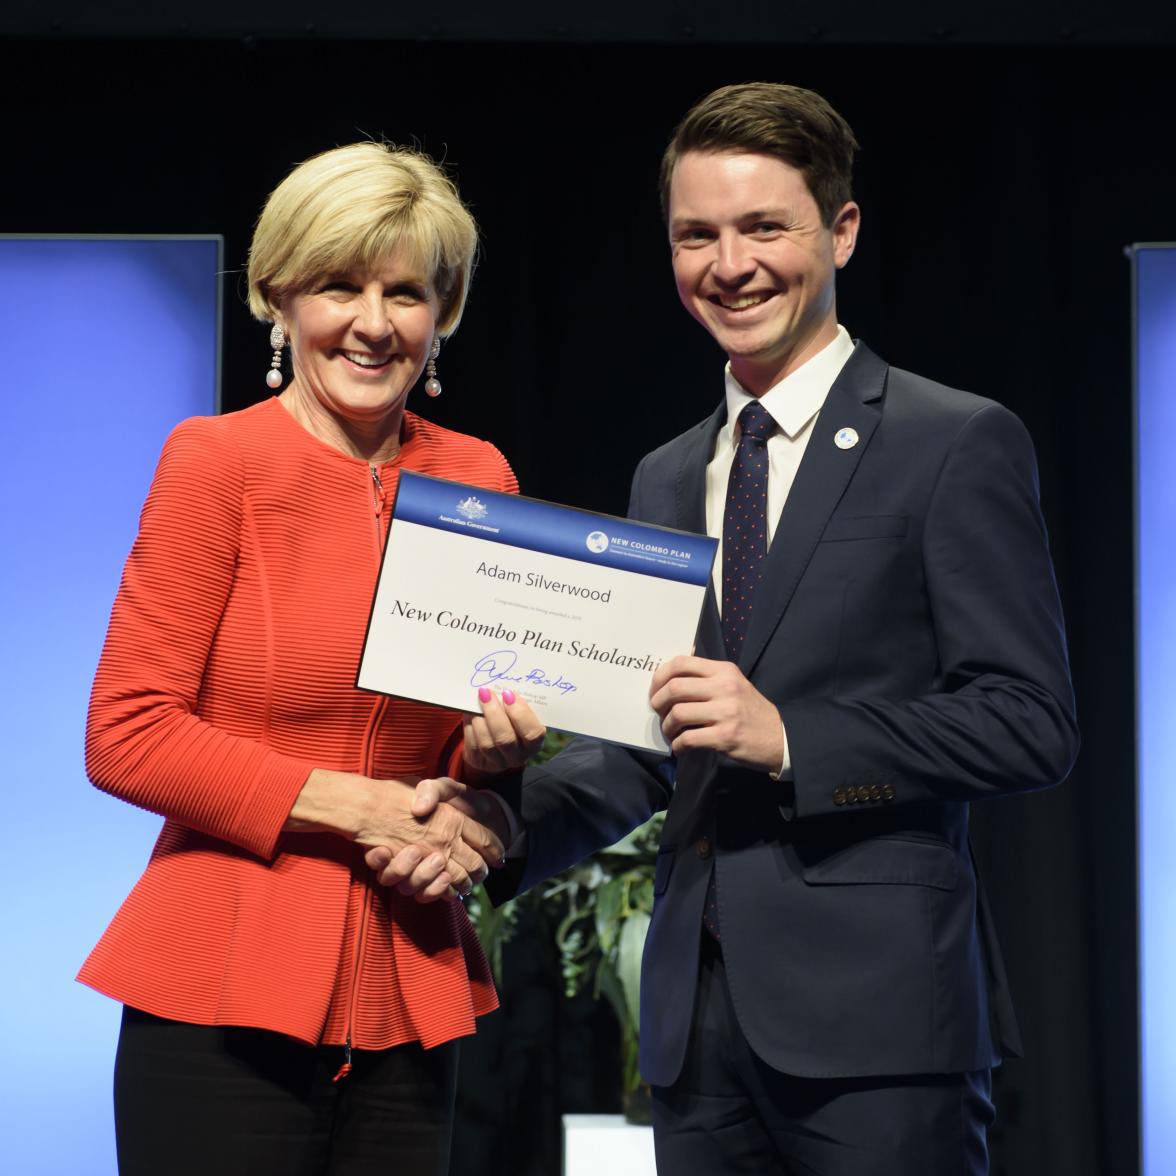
(359, 341)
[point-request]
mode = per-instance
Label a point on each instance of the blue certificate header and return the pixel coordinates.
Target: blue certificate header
(554, 530)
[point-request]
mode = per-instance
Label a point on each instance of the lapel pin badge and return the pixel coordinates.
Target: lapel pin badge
(845, 438)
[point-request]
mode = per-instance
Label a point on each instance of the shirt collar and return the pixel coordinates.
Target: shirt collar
(797, 398)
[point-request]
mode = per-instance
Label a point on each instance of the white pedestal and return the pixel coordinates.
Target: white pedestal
(605, 1145)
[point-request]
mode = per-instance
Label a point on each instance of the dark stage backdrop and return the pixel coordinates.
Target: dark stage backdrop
(998, 185)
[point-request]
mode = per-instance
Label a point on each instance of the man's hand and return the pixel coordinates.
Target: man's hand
(425, 875)
(503, 737)
(710, 704)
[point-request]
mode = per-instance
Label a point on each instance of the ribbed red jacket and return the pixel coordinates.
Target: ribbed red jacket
(227, 675)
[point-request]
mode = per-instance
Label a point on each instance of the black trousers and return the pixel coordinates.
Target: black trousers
(194, 1099)
(728, 1112)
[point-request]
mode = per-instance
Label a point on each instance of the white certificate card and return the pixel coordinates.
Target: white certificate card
(571, 610)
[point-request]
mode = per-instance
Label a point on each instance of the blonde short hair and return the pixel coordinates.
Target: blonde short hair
(348, 209)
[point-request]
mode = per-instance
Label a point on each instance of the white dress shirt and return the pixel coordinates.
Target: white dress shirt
(794, 404)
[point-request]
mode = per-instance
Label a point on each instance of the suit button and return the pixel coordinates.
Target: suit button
(702, 847)
(839, 796)
(888, 792)
(875, 792)
(851, 794)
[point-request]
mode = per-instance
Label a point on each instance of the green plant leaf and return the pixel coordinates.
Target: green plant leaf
(608, 986)
(632, 943)
(641, 893)
(553, 742)
(642, 840)
(609, 902)
(597, 912)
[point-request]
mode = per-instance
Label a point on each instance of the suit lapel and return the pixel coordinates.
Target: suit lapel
(854, 402)
(691, 511)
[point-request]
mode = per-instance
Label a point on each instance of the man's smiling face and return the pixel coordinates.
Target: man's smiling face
(753, 262)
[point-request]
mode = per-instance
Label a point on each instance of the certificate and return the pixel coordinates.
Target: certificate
(571, 610)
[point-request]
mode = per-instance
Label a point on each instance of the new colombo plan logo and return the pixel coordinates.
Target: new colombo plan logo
(471, 508)
(596, 542)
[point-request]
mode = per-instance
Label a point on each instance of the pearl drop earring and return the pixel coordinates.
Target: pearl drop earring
(432, 384)
(277, 341)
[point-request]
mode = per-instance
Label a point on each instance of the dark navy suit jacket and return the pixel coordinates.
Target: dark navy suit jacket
(909, 630)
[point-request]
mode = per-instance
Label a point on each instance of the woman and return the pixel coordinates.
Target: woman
(284, 1013)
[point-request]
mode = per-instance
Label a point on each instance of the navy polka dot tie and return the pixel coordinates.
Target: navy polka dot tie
(745, 543)
(745, 524)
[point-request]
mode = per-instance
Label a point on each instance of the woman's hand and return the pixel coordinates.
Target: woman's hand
(412, 870)
(500, 739)
(411, 828)
(503, 737)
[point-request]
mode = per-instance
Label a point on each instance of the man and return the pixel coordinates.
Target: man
(822, 991)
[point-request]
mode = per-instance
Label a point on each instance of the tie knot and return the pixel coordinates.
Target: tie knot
(755, 421)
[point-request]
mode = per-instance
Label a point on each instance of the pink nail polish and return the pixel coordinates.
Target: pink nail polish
(508, 696)
(484, 694)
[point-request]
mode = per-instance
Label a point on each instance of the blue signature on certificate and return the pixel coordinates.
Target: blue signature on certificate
(500, 667)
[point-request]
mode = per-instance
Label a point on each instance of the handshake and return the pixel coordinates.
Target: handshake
(462, 833)
(452, 834)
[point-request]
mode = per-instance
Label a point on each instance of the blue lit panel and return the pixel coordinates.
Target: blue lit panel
(106, 344)
(1155, 393)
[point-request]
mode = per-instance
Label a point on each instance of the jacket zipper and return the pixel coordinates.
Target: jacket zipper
(377, 500)
(365, 767)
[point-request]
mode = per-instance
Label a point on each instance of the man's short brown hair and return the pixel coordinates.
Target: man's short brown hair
(789, 123)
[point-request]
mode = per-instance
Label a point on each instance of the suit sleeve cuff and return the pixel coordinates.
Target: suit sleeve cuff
(784, 772)
(516, 835)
